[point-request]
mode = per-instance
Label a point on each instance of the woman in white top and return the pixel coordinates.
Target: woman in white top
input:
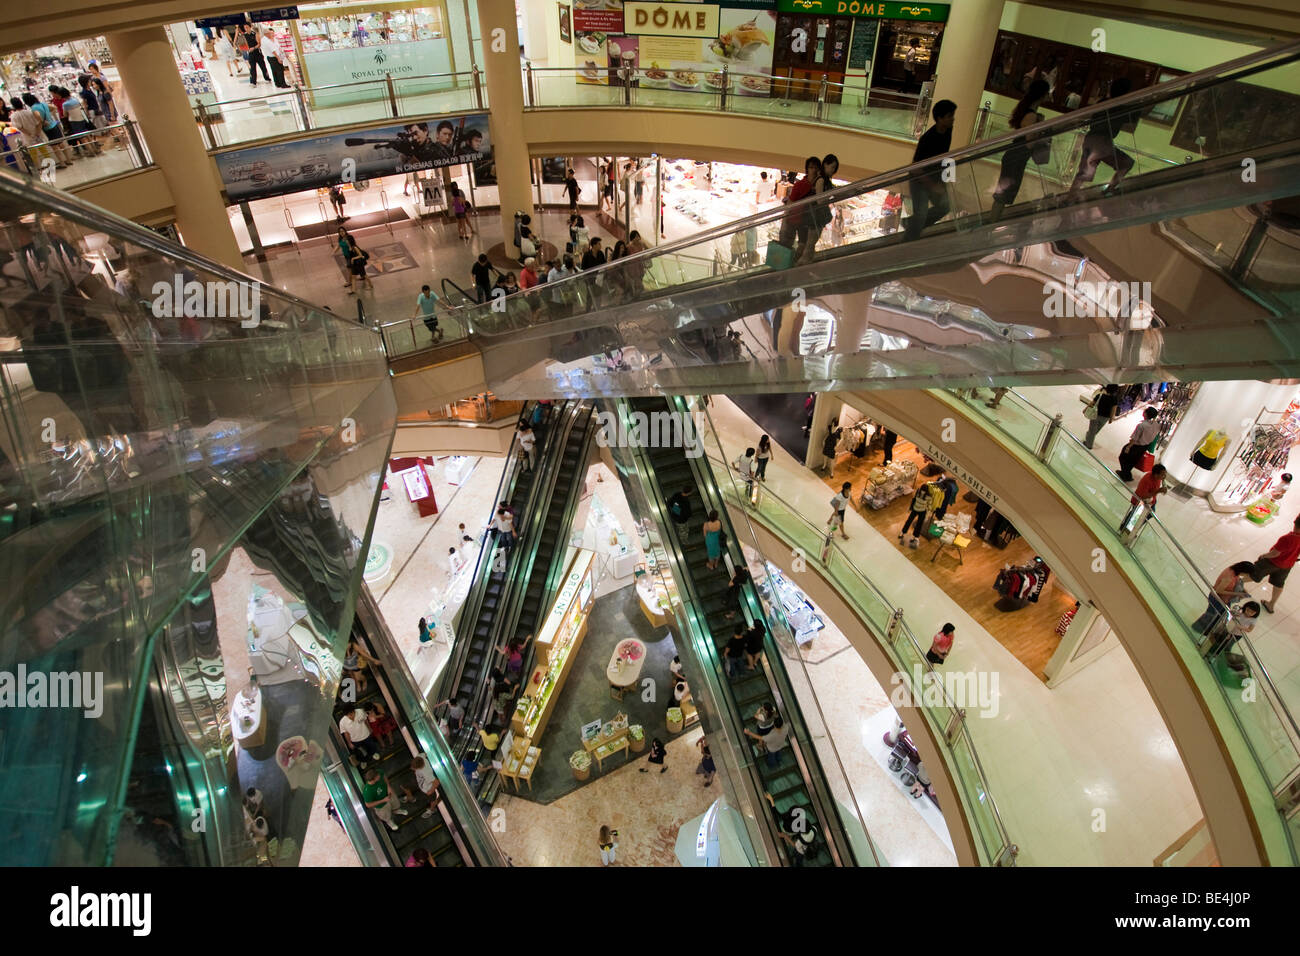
(504, 525)
(226, 51)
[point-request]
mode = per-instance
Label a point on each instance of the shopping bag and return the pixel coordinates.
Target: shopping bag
(1148, 462)
(779, 256)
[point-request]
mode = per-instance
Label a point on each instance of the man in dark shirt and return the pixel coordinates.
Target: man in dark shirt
(482, 273)
(929, 192)
(679, 509)
(571, 187)
(735, 652)
(1099, 143)
(594, 256)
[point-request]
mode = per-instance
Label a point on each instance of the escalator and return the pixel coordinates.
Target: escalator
(797, 785)
(557, 500)
(1182, 267)
(467, 673)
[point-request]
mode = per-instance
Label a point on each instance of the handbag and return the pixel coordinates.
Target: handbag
(1148, 462)
(779, 256)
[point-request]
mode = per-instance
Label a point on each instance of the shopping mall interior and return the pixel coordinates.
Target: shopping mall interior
(410, 405)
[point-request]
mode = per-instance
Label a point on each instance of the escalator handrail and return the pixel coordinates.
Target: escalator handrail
(447, 281)
(906, 631)
(788, 702)
(70, 207)
(1233, 70)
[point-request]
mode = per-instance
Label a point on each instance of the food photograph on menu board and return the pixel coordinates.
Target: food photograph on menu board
(744, 47)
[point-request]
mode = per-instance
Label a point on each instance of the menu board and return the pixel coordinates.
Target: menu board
(864, 42)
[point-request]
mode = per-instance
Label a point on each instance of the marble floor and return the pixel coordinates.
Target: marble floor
(646, 809)
(1053, 757)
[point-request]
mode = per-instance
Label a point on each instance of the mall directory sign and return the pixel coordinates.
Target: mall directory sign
(353, 156)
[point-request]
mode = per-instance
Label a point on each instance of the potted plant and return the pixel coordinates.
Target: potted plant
(636, 738)
(675, 720)
(580, 762)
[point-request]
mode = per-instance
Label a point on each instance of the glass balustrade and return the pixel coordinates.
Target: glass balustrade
(160, 411)
(72, 161)
(1168, 576)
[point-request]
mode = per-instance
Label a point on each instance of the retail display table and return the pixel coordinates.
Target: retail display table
(246, 719)
(649, 592)
(624, 668)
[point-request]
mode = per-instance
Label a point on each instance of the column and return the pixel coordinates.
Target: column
(505, 88)
(151, 81)
(826, 409)
(968, 41)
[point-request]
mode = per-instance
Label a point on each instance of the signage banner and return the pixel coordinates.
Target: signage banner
(598, 21)
(255, 16)
(353, 156)
(642, 18)
(867, 8)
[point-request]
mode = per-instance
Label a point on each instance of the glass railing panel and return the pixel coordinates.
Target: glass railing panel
(1092, 481)
(436, 93)
(978, 800)
(73, 161)
(143, 437)
(240, 121)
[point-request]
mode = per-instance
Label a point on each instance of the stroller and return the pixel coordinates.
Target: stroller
(905, 760)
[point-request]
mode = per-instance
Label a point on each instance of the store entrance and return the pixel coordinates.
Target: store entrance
(892, 83)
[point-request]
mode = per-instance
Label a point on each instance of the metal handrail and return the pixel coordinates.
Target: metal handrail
(334, 86)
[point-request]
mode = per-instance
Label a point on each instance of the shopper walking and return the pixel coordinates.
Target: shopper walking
(1276, 564)
(764, 719)
(745, 468)
(253, 46)
(929, 191)
(338, 201)
(829, 443)
(706, 765)
(713, 539)
(1139, 443)
(1149, 487)
(355, 730)
(1228, 587)
(357, 267)
(460, 209)
(657, 754)
(225, 51)
(1017, 155)
(426, 309)
(419, 858)
(762, 455)
(378, 796)
(679, 510)
(839, 506)
(572, 189)
(1099, 143)
(941, 644)
(887, 445)
(607, 840)
(503, 525)
(1100, 411)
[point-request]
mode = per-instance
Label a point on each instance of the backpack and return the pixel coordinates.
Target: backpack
(921, 500)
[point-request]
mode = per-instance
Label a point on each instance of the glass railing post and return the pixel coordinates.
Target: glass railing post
(205, 122)
(895, 625)
(821, 98)
(1044, 451)
(478, 88)
(529, 88)
(303, 113)
(136, 144)
(392, 94)
(981, 124)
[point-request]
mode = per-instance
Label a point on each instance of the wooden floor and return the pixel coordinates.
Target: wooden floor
(1030, 633)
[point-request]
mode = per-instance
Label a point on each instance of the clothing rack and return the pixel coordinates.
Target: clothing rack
(1020, 585)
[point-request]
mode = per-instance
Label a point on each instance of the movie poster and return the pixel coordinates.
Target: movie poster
(355, 156)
